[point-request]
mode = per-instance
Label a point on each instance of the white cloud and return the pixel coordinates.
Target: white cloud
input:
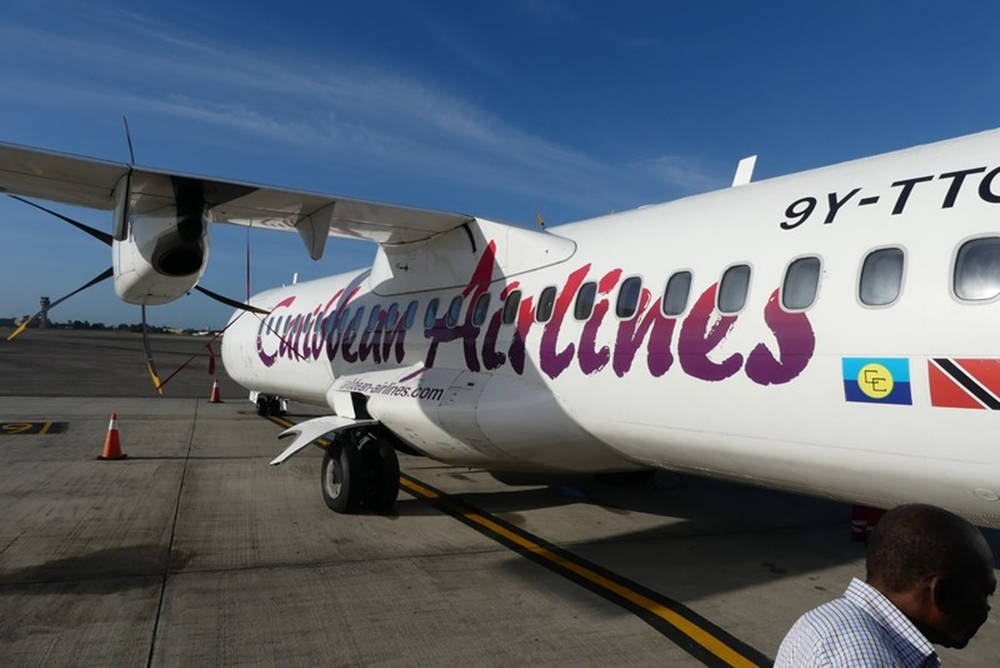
(680, 172)
(368, 113)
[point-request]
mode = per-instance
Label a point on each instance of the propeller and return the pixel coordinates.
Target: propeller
(97, 234)
(106, 239)
(107, 273)
(150, 366)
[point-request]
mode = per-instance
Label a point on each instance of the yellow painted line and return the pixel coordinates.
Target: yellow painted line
(681, 623)
(45, 428)
(678, 621)
(419, 489)
(16, 427)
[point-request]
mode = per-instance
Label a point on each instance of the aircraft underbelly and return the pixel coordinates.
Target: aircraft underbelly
(481, 419)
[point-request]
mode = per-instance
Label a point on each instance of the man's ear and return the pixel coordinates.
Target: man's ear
(945, 593)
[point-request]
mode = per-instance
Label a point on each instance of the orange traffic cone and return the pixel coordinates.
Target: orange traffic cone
(112, 445)
(215, 393)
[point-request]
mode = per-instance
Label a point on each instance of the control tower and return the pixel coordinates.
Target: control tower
(43, 321)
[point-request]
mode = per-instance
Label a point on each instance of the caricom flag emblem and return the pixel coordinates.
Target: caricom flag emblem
(964, 383)
(877, 380)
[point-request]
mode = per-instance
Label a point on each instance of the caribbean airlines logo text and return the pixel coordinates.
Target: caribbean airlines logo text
(330, 330)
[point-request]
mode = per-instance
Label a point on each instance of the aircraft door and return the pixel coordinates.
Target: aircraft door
(457, 413)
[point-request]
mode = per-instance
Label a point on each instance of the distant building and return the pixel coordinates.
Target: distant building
(43, 321)
(8, 322)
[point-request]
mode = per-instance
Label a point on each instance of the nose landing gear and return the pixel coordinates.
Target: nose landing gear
(268, 404)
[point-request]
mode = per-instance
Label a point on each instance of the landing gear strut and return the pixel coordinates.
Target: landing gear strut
(268, 404)
(358, 474)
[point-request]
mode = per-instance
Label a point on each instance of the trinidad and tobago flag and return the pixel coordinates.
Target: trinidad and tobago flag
(964, 383)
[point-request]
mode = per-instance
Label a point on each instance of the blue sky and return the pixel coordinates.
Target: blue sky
(572, 109)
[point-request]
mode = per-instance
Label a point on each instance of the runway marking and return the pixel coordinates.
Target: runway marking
(698, 636)
(50, 427)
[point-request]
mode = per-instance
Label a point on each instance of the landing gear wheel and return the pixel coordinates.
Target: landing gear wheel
(268, 405)
(276, 409)
(342, 478)
(382, 469)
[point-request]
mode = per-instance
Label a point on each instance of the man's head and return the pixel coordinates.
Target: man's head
(936, 568)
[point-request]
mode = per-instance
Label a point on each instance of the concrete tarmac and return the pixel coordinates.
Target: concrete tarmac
(195, 551)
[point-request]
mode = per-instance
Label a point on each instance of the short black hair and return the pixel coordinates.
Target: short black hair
(915, 541)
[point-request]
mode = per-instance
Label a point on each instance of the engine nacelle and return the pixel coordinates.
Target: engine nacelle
(160, 247)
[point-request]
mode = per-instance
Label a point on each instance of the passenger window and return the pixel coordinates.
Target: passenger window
(801, 281)
(482, 306)
(628, 297)
(546, 301)
(454, 310)
(510, 307)
(585, 300)
(391, 316)
(675, 297)
(410, 315)
(977, 269)
(430, 316)
(881, 277)
(733, 288)
(373, 318)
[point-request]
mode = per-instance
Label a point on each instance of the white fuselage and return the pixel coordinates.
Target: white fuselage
(758, 395)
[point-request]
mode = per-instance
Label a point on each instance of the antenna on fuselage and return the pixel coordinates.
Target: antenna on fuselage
(744, 171)
(538, 217)
(128, 138)
(295, 278)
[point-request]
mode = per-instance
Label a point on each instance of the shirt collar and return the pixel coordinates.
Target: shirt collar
(909, 641)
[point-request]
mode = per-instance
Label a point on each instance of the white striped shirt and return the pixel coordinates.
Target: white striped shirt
(863, 628)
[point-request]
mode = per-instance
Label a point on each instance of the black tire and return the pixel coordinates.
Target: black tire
(628, 478)
(275, 407)
(342, 478)
(382, 466)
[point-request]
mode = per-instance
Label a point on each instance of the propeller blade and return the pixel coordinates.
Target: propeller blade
(249, 227)
(106, 274)
(150, 366)
(97, 234)
(230, 302)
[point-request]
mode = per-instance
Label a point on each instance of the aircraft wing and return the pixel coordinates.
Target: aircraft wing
(91, 183)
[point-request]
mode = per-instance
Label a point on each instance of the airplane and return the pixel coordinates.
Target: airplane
(828, 332)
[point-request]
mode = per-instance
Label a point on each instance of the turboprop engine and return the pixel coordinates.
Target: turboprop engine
(160, 247)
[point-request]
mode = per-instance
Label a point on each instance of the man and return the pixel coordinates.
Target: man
(930, 574)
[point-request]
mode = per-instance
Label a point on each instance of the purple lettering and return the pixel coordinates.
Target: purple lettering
(796, 343)
(551, 362)
(697, 340)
